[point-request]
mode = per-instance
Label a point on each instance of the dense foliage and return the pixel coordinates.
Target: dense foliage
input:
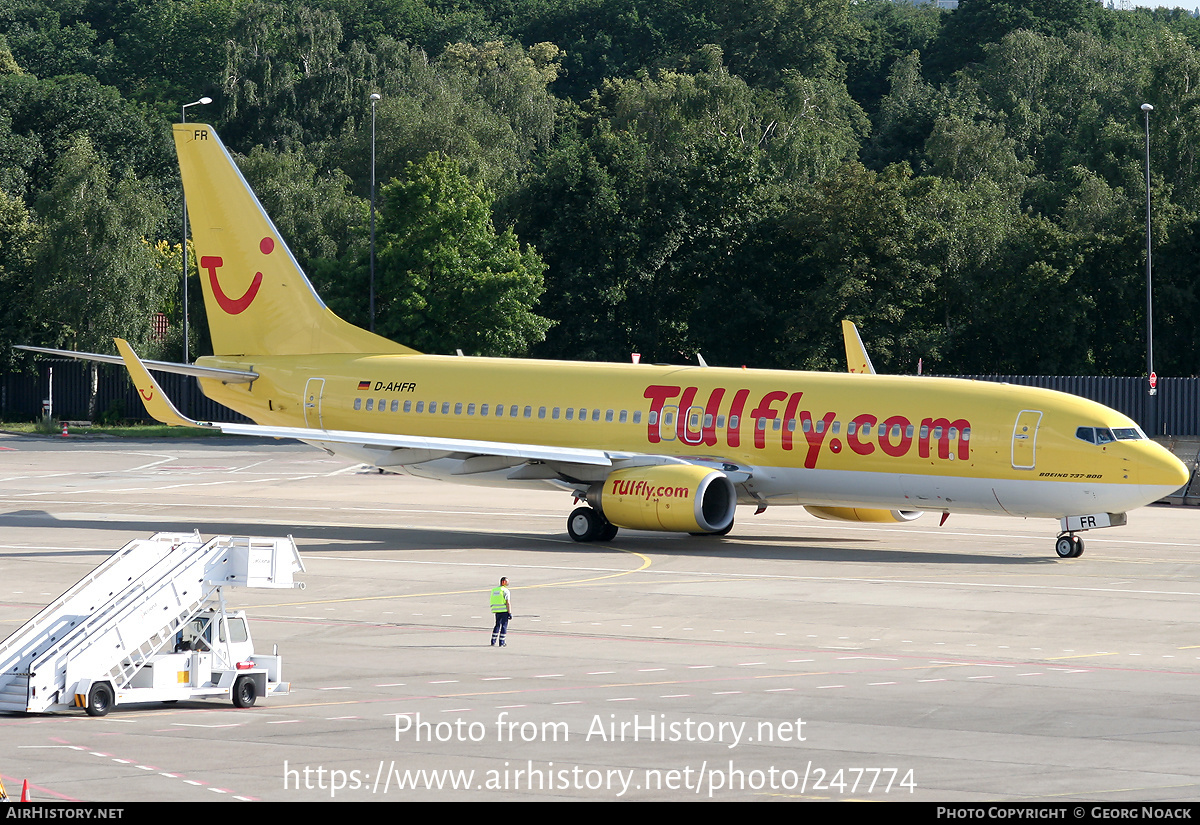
(587, 178)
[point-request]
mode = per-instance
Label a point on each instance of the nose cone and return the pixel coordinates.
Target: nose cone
(1159, 472)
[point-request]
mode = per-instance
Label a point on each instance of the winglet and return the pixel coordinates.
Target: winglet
(857, 359)
(156, 401)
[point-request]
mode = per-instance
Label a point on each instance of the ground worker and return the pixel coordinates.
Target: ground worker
(502, 608)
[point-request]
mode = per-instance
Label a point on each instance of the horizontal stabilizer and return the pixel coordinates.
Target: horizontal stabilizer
(227, 376)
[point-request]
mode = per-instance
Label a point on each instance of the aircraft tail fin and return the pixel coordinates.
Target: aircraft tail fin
(857, 359)
(258, 299)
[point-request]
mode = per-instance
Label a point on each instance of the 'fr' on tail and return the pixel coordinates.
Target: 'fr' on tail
(258, 300)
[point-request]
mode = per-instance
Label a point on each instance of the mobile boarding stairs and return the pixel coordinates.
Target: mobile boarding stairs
(150, 625)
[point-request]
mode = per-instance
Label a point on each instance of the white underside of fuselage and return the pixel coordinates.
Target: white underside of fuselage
(1032, 498)
(776, 486)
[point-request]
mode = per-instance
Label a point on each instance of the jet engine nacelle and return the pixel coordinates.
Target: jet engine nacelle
(682, 498)
(863, 514)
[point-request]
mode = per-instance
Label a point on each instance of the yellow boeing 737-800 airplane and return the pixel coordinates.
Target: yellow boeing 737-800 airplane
(671, 448)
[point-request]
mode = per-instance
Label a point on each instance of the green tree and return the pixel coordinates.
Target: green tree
(446, 279)
(49, 39)
(653, 216)
(486, 106)
(94, 276)
(975, 23)
(166, 52)
(44, 116)
(18, 240)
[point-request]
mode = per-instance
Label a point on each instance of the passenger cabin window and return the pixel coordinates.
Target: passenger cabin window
(370, 404)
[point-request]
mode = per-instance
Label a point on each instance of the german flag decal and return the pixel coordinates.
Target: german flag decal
(364, 385)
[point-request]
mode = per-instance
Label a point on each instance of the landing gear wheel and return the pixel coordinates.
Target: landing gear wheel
(100, 700)
(1068, 546)
(244, 692)
(585, 524)
(608, 533)
(1064, 547)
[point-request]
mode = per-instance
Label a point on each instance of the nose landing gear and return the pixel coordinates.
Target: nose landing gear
(1068, 546)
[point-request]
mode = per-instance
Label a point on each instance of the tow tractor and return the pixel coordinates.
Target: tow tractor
(150, 625)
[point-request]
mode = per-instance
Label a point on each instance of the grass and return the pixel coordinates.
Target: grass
(119, 431)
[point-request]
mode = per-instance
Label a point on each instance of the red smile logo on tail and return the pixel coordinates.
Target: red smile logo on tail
(234, 306)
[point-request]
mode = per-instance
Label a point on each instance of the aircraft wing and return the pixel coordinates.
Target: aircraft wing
(365, 440)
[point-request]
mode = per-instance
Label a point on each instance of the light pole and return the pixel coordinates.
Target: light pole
(1147, 109)
(374, 99)
(204, 101)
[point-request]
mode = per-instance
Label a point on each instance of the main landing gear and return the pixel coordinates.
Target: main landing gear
(586, 524)
(1068, 546)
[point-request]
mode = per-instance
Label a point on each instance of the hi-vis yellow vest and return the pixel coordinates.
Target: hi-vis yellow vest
(499, 599)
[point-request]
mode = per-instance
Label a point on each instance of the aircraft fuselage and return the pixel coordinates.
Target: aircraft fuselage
(915, 443)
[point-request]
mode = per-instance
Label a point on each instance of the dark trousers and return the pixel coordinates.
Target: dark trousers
(501, 626)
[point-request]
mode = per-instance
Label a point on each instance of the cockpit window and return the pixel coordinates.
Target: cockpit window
(1103, 435)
